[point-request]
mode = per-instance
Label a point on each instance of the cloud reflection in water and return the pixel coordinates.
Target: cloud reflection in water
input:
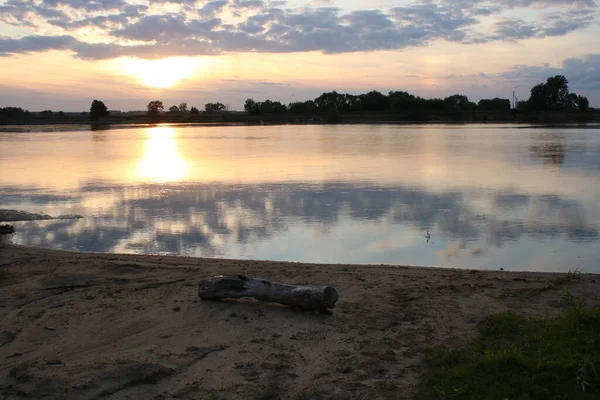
(241, 221)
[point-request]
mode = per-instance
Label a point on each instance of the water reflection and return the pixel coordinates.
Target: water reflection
(319, 194)
(550, 147)
(161, 162)
(205, 220)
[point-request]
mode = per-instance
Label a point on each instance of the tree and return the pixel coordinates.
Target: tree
(583, 104)
(372, 101)
(495, 104)
(13, 112)
(174, 109)
(404, 101)
(459, 101)
(194, 111)
(251, 107)
(554, 95)
(215, 107)
(98, 110)
(270, 107)
(155, 107)
(183, 107)
(302, 107)
(330, 101)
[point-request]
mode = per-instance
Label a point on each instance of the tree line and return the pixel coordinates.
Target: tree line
(552, 95)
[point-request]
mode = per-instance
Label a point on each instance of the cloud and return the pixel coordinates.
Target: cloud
(213, 7)
(268, 26)
(31, 44)
(553, 24)
(583, 73)
(87, 5)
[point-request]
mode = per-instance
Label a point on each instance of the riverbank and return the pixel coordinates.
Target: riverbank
(82, 325)
(325, 117)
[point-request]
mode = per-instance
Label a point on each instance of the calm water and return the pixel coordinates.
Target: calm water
(491, 196)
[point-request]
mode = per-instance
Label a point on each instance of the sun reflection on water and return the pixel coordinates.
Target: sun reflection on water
(162, 161)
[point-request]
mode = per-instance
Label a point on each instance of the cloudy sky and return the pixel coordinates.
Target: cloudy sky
(62, 54)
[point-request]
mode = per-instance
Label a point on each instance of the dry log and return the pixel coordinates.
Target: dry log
(319, 298)
(6, 229)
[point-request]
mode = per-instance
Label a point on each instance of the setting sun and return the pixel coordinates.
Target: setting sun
(163, 73)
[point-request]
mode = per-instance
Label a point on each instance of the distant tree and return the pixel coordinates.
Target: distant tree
(271, 107)
(98, 110)
(251, 107)
(155, 107)
(215, 107)
(301, 107)
(554, 95)
(46, 113)
(194, 111)
(495, 104)
(173, 109)
(459, 101)
(60, 114)
(10, 114)
(372, 101)
(264, 107)
(330, 101)
(404, 101)
(583, 103)
(13, 112)
(183, 107)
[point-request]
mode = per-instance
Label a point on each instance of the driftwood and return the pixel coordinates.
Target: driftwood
(319, 298)
(6, 229)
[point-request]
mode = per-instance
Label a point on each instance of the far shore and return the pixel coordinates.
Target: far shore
(82, 325)
(334, 117)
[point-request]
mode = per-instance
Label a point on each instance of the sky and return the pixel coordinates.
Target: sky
(61, 55)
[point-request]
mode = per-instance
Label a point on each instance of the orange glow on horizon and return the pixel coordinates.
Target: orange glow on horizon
(162, 74)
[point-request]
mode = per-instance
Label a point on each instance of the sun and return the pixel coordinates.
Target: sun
(164, 73)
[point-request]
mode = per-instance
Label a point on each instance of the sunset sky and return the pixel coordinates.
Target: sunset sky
(61, 54)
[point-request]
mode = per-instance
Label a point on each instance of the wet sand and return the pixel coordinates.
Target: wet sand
(91, 326)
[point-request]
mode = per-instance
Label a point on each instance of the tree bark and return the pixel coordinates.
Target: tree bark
(320, 298)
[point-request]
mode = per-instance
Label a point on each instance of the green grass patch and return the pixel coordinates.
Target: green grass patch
(518, 358)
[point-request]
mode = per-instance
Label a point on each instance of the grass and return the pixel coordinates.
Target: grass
(519, 358)
(571, 276)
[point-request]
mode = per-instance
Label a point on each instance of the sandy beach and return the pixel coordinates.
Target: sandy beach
(91, 326)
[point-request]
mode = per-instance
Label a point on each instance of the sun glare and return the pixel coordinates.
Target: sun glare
(163, 73)
(162, 162)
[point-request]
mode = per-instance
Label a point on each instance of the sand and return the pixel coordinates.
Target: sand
(91, 326)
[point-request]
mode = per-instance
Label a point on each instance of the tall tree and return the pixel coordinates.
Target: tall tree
(554, 95)
(155, 107)
(98, 110)
(183, 107)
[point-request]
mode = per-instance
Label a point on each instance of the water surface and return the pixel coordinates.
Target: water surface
(490, 196)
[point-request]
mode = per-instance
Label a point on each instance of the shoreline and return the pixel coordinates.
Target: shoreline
(90, 325)
(515, 117)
